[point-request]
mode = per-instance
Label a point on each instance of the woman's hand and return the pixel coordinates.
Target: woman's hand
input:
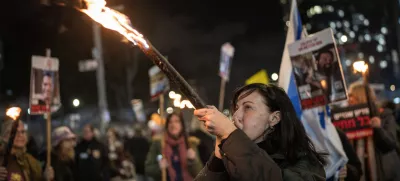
(376, 122)
(49, 173)
(191, 154)
(215, 122)
(163, 163)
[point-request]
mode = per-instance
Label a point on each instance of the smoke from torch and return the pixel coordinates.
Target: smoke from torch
(114, 20)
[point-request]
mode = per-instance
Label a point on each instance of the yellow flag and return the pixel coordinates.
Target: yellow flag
(260, 77)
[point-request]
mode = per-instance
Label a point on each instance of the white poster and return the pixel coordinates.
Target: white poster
(45, 85)
(159, 83)
(227, 51)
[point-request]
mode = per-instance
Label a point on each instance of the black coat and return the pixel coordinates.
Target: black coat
(92, 161)
(243, 160)
(354, 170)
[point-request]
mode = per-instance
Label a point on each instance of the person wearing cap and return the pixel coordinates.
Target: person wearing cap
(63, 154)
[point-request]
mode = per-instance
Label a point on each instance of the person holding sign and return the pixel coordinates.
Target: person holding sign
(384, 125)
(264, 141)
(21, 165)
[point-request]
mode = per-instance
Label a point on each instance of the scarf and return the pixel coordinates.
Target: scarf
(167, 151)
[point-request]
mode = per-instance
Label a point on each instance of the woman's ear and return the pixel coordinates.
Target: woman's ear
(275, 118)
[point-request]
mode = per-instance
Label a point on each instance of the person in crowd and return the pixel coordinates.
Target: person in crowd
(32, 147)
(174, 152)
(384, 136)
(138, 147)
(264, 141)
(121, 166)
(21, 166)
(63, 154)
(91, 158)
(352, 171)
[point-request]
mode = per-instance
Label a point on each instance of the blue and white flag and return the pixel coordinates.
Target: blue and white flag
(316, 122)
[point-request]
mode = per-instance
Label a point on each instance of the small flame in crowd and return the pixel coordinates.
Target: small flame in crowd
(113, 20)
(13, 112)
(360, 66)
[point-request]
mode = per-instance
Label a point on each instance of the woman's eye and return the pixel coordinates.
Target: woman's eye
(247, 107)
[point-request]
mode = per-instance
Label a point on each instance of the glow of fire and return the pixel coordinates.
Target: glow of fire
(113, 20)
(13, 112)
(360, 66)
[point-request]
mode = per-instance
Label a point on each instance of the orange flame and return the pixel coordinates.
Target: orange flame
(113, 20)
(13, 112)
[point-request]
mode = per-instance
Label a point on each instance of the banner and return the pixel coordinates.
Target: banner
(353, 120)
(45, 85)
(227, 51)
(159, 83)
(260, 77)
(317, 70)
(137, 106)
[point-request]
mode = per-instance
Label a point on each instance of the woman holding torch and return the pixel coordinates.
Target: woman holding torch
(16, 163)
(264, 141)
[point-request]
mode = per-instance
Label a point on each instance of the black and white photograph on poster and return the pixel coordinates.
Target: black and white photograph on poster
(45, 87)
(317, 70)
(159, 83)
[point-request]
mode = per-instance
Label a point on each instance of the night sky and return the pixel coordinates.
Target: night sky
(190, 33)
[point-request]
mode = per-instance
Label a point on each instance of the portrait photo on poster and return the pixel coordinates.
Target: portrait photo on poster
(45, 91)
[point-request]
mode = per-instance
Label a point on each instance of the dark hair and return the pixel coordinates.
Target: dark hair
(47, 74)
(325, 51)
(289, 136)
(183, 133)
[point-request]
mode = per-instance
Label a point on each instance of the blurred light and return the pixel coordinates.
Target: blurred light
(360, 66)
(348, 62)
(29, 111)
(340, 13)
(158, 110)
(392, 87)
(343, 38)
(383, 64)
(170, 110)
(384, 30)
(346, 23)
(355, 28)
(287, 23)
(379, 48)
(367, 37)
(371, 59)
(396, 100)
(76, 102)
(332, 25)
(13, 112)
(399, 20)
(318, 9)
(361, 17)
(339, 34)
(339, 24)
(382, 41)
(308, 26)
(274, 76)
(171, 94)
(360, 38)
(330, 8)
(226, 112)
(361, 55)
(366, 22)
(283, 1)
(352, 34)
(186, 103)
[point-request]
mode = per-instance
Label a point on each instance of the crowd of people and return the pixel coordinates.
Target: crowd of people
(263, 140)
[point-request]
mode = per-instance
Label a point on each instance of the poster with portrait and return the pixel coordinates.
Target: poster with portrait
(317, 70)
(227, 52)
(45, 85)
(159, 83)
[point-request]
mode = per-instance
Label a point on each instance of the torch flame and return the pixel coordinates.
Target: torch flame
(360, 66)
(113, 20)
(13, 112)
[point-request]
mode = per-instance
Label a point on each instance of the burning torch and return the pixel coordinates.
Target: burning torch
(114, 20)
(12, 113)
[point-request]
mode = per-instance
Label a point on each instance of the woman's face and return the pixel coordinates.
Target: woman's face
(20, 137)
(67, 147)
(175, 126)
(253, 116)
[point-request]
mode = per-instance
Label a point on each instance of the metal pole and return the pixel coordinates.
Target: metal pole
(100, 76)
(222, 95)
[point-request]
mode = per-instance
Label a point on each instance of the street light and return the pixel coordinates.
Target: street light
(76, 102)
(274, 76)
